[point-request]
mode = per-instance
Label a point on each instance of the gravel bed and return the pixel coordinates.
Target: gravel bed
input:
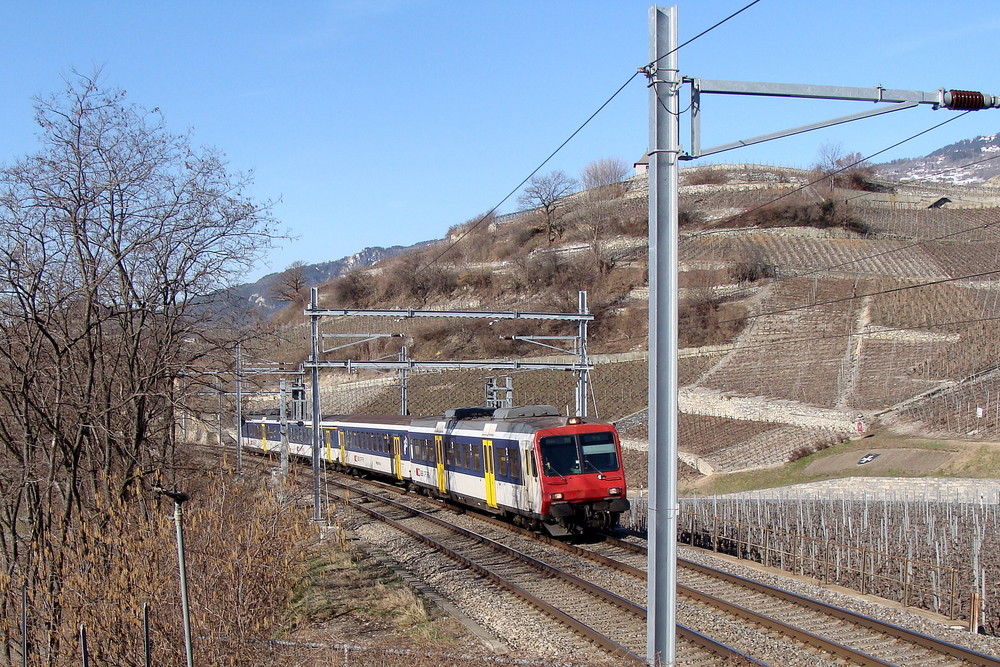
(527, 632)
(530, 635)
(900, 617)
(773, 650)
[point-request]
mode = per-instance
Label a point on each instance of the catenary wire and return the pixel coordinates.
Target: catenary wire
(822, 178)
(704, 32)
(510, 194)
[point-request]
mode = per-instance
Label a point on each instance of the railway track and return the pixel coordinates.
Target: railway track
(515, 562)
(713, 606)
(713, 599)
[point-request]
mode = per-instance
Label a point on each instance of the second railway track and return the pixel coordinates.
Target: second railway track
(719, 604)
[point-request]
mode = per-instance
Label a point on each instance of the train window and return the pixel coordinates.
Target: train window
(599, 452)
(503, 467)
(560, 456)
(477, 458)
(514, 465)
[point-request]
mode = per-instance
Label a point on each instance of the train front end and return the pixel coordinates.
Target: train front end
(583, 479)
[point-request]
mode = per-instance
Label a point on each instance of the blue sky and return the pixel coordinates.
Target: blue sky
(387, 122)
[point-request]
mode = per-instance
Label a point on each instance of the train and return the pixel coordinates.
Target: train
(543, 471)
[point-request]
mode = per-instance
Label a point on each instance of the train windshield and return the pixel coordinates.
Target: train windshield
(580, 453)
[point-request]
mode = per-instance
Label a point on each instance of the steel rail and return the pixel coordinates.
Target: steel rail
(942, 646)
(933, 643)
(703, 641)
(583, 630)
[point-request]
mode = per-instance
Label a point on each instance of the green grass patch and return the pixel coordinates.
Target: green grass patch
(972, 460)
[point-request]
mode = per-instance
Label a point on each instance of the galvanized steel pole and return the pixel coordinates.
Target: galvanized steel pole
(583, 376)
(664, 153)
(179, 498)
(239, 407)
(316, 435)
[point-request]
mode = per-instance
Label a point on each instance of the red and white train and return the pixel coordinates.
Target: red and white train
(541, 470)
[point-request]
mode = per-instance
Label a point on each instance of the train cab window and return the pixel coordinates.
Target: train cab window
(599, 452)
(559, 456)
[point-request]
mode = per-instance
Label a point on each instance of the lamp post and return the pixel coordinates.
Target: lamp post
(179, 498)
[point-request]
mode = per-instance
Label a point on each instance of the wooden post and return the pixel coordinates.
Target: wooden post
(906, 583)
(826, 563)
(864, 567)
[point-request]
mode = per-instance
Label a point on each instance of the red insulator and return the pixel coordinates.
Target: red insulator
(965, 99)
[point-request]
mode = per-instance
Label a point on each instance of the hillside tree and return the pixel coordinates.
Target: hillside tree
(604, 173)
(115, 238)
(842, 168)
(291, 285)
(546, 194)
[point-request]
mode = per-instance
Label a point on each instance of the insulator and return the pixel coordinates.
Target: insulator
(966, 99)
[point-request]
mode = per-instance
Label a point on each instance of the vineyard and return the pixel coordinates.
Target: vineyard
(939, 556)
(817, 320)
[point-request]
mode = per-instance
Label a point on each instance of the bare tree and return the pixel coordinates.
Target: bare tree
(843, 169)
(604, 173)
(114, 239)
(291, 285)
(546, 193)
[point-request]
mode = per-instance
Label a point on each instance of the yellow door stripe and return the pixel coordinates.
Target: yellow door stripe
(439, 450)
(491, 478)
(397, 456)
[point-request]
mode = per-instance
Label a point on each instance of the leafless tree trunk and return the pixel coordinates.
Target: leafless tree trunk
(114, 238)
(291, 285)
(546, 193)
(606, 173)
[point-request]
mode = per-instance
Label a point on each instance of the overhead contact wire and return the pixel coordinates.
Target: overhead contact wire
(571, 137)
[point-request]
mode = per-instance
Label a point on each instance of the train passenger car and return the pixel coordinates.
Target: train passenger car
(371, 443)
(530, 464)
(540, 469)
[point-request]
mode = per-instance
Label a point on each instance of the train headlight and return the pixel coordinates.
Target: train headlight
(572, 421)
(614, 491)
(556, 496)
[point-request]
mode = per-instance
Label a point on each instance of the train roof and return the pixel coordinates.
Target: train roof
(525, 418)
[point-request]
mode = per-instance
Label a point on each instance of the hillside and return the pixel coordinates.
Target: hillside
(808, 315)
(968, 162)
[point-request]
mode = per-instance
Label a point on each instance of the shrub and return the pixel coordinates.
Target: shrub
(704, 177)
(705, 320)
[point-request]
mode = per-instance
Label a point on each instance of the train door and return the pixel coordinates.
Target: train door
(343, 447)
(439, 452)
(263, 437)
(531, 486)
(490, 473)
(329, 445)
(397, 456)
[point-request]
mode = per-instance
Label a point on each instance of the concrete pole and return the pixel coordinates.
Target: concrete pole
(663, 235)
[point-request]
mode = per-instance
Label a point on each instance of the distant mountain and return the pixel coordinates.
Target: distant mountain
(259, 295)
(967, 162)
